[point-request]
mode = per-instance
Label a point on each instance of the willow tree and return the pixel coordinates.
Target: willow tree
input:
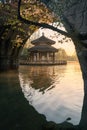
(73, 15)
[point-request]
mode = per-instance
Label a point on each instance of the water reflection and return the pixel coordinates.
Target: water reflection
(15, 112)
(55, 91)
(41, 78)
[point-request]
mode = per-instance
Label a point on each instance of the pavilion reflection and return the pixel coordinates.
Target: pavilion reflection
(48, 85)
(9, 85)
(41, 78)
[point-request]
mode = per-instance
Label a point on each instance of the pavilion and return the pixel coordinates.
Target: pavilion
(42, 52)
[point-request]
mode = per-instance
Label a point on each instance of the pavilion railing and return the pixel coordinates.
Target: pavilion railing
(26, 62)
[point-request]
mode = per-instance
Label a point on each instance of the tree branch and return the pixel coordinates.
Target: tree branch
(44, 25)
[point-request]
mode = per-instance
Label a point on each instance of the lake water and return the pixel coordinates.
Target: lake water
(55, 91)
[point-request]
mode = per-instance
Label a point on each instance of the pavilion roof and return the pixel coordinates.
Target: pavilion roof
(43, 48)
(43, 39)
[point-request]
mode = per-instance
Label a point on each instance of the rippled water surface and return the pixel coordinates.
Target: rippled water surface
(55, 91)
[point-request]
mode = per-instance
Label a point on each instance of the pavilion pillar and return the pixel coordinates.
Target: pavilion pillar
(47, 56)
(53, 57)
(32, 58)
(35, 56)
(38, 56)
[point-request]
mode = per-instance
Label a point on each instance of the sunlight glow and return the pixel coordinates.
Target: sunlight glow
(54, 90)
(67, 45)
(61, 41)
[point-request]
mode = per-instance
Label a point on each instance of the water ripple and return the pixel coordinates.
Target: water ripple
(55, 91)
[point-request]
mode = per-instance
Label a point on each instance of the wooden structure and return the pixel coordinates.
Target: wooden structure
(42, 51)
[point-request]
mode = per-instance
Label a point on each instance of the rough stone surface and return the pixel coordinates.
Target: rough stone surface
(77, 16)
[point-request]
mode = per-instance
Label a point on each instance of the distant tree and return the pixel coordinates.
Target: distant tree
(61, 54)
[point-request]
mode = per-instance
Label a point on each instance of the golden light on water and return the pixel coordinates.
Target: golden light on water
(55, 91)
